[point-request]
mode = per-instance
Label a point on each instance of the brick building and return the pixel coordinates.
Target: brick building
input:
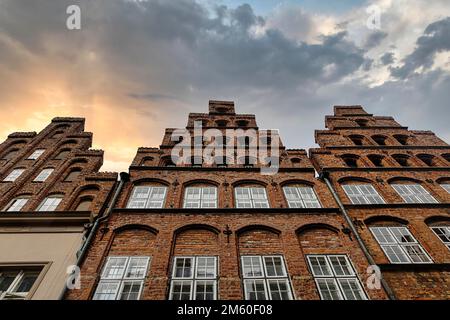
(50, 190)
(224, 230)
(394, 184)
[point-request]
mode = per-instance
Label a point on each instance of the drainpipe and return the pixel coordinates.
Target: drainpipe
(124, 177)
(324, 176)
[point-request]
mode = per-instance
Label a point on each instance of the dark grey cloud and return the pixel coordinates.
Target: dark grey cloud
(435, 39)
(374, 39)
(387, 58)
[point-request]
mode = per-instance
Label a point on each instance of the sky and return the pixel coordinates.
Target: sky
(138, 67)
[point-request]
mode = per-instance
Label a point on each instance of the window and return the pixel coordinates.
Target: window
(428, 159)
(13, 175)
(403, 140)
(43, 175)
(362, 194)
(194, 278)
(357, 140)
(11, 154)
(413, 193)
(16, 283)
(350, 161)
(200, 197)
(84, 205)
(16, 204)
(50, 203)
(62, 154)
(443, 232)
(36, 154)
(399, 245)
(377, 160)
(301, 197)
(251, 197)
(147, 197)
(335, 278)
(221, 123)
(380, 140)
(401, 159)
(122, 278)
(362, 122)
(73, 175)
(446, 187)
(265, 278)
(446, 156)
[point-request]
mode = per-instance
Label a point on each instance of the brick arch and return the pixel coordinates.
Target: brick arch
(297, 182)
(385, 218)
(89, 190)
(196, 239)
(437, 219)
(200, 181)
(317, 237)
(259, 240)
(133, 240)
(348, 179)
(249, 182)
(403, 179)
(144, 181)
(443, 180)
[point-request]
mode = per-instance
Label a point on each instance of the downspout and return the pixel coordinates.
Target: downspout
(124, 177)
(324, 176)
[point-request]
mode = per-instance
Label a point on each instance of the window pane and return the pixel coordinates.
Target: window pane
(255, 290)
(446, 187)
(131, 290)
(319, 266)
(279, 289)
(413, 193)
(181, 290)
(106, 290)
(340, 266)
(274, 267)
(183, 267)
(147, 197)
(17, 204)
(50, 204)
(351, 289)
(395, 254)
(13, 175)
(206, 267)
(416, 253)
(252, 267)
(115, 268)
(137, 267)
(204, 290)
(443, 233)
(43, 175)
(328, 289)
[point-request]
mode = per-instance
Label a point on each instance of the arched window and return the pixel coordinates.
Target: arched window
(147, 161)
(399, 244)
(443, 233)
(402, 139)
(43, 175)
(242, 123)
(428, 159)
(149, 196)
(362, 122)
(167, 162)
(301, 196)
(73, 175)
(253, 196)
(200, 196)
(16, 204)
(36, 154)
(84, 204)
(50, 203)
(295, 161)
(446, 186)
(221, 123)
(362, 193)
(350, 160)
(57, 134)
(14, 175)
(357, 140)
(446, 156)
(402, 159)
(413, 193)
(380, 140)
(377, 160)
(11, 154)
(62, 154)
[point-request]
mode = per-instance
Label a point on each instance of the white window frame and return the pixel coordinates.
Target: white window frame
(194, 278)
(446, 187)
(36, 154)
(50, 206)
(265, 278)
(10, 293)
(16, 203)
(333, 277)
(148, 200)
(121, 279)
(414, 193)
(202, 201)
(301, 200)
(391, 244)
(14, 175)
(357, 194)
(43, 175)
(445, 230)
(252, 200)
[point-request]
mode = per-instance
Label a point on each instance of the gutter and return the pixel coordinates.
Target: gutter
(124, 177)
(370, 259)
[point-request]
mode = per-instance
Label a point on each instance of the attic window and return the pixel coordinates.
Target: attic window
(402, 139)
(380, 140)
(357, 140)
(221, 123)
(362, 122)
(222, 109)
(402, 160)
(242, 123)
(295, 160)
(350, 160)
(377, 160)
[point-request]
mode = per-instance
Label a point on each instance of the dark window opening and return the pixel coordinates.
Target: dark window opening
(357, 140)
(362, 122)
(403, 140)
(351, 161)
(376, 160)
(380, 140)
(402, 160)
(427, 159)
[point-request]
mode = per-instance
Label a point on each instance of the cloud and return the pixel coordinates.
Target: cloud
(374, 39)
(435, 39)
(387, 58)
